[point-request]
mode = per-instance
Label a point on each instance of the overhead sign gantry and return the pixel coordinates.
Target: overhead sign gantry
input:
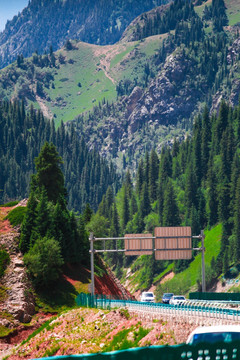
(168, 243)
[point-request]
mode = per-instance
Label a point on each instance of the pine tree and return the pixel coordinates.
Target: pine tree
(140, 178)
(170, 208)
(125, 211)
(145, 206)
(49, 174)
(153, 175)
(28, 224)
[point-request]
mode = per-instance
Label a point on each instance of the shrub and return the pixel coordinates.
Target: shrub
(4, 261)
(16, 215)
(44, 261)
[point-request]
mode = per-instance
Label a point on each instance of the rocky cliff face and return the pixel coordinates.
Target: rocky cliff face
(147, 117)
(231, 93)
(17, 304)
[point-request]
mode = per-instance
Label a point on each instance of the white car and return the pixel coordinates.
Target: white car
(147, 296)
(214, 334)
(177, 300)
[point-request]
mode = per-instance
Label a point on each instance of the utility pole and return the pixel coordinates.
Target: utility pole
(91, 239)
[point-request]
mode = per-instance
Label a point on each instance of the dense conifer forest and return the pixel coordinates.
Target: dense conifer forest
(23, 134)
(195, 183)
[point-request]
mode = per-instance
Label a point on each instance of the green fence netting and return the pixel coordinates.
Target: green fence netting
(214, 296)
(221, 351)
(97, 301)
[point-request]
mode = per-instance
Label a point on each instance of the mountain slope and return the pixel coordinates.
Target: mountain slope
(50, 23)
(134, 95)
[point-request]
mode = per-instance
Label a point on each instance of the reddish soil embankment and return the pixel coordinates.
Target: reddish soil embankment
(5, 226)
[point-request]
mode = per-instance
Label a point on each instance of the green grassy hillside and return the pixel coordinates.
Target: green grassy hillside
(233, 10)
(81, 78)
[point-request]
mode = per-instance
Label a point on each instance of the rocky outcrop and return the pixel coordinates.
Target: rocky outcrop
(167, 100)
(18, 299)
(171, 97)
(223, 93)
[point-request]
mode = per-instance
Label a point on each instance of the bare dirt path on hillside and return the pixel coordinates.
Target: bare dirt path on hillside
(45, 110)
(105, 55)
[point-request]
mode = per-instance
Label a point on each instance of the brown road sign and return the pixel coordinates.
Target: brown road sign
(173, 243)
(137, 244)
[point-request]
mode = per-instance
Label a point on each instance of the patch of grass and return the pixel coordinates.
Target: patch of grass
(4, 331)
(233, 11)
(119, 57)
(52, 351)
(121, 342)
(16, 215)
(10, 204)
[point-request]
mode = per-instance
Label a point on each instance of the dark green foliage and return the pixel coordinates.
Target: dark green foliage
(170, 208)
(49, 175)
(174, 17)
(219, 15)
(121, 342)
(44, 261)
(4, 260)
(16, 215)
(28, 224)
(47, 216)
(68, 45)
(23, 135)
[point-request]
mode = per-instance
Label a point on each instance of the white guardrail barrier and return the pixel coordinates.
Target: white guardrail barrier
(200, 308)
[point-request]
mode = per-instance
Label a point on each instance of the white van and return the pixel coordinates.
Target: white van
(147, 296)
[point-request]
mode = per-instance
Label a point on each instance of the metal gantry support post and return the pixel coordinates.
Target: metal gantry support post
(203, 263)
(91, 239)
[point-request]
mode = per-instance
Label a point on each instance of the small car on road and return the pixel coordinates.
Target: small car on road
(166, 297)
(177, 300)
(147, 296)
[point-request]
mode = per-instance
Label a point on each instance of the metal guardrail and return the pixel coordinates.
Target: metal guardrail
(189, 308)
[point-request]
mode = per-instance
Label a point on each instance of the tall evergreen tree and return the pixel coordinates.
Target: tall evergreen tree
(49, 174)
(153, 175)
(170, 208)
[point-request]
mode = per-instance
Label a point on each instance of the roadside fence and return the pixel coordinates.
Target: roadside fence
(190, 308)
